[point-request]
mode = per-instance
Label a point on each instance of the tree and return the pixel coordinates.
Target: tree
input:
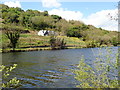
(62, 26)
(56, 17)
(10, 15)
(45, 13)
(41, 22)
(13, 36)
(74, 32)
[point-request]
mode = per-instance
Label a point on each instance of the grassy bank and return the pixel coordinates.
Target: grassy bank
(32, 42)
(31, 49)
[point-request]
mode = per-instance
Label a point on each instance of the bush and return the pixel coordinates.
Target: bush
(57, 43)
(115, 41)
(91, 44)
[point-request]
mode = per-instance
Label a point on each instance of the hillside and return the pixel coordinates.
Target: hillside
(33, 21)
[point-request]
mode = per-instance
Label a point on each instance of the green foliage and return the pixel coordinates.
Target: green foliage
(100, 36)
(13, 36)
(84, 27)
(57, 43)
(61, 26)
(91, 44)
(13, 83)
(56, 17)
(115, 41)
(45, 13)
(41, 22)
(10, 15)
(97, 75)
(74, 32)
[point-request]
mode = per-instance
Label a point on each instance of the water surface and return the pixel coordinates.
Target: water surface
(53, 68)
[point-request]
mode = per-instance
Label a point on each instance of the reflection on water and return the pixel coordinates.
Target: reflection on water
(50, 69)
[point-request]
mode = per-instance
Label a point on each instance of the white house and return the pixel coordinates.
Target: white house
(42, 32)
(45, 33)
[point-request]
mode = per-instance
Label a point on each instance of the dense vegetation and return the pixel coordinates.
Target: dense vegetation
(33, 20)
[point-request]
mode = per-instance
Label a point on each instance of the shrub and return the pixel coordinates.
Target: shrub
(115, 41)
(91, 44)
(57, 43)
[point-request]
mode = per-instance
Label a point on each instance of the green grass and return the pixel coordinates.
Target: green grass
(73, 41)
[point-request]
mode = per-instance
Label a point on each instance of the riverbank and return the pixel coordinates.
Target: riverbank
(32, 42)
(40, 48)
(31, 49)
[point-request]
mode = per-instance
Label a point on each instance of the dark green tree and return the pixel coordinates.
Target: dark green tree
(56, 17)
(74, 32)
(13, 36)
(45, 13)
